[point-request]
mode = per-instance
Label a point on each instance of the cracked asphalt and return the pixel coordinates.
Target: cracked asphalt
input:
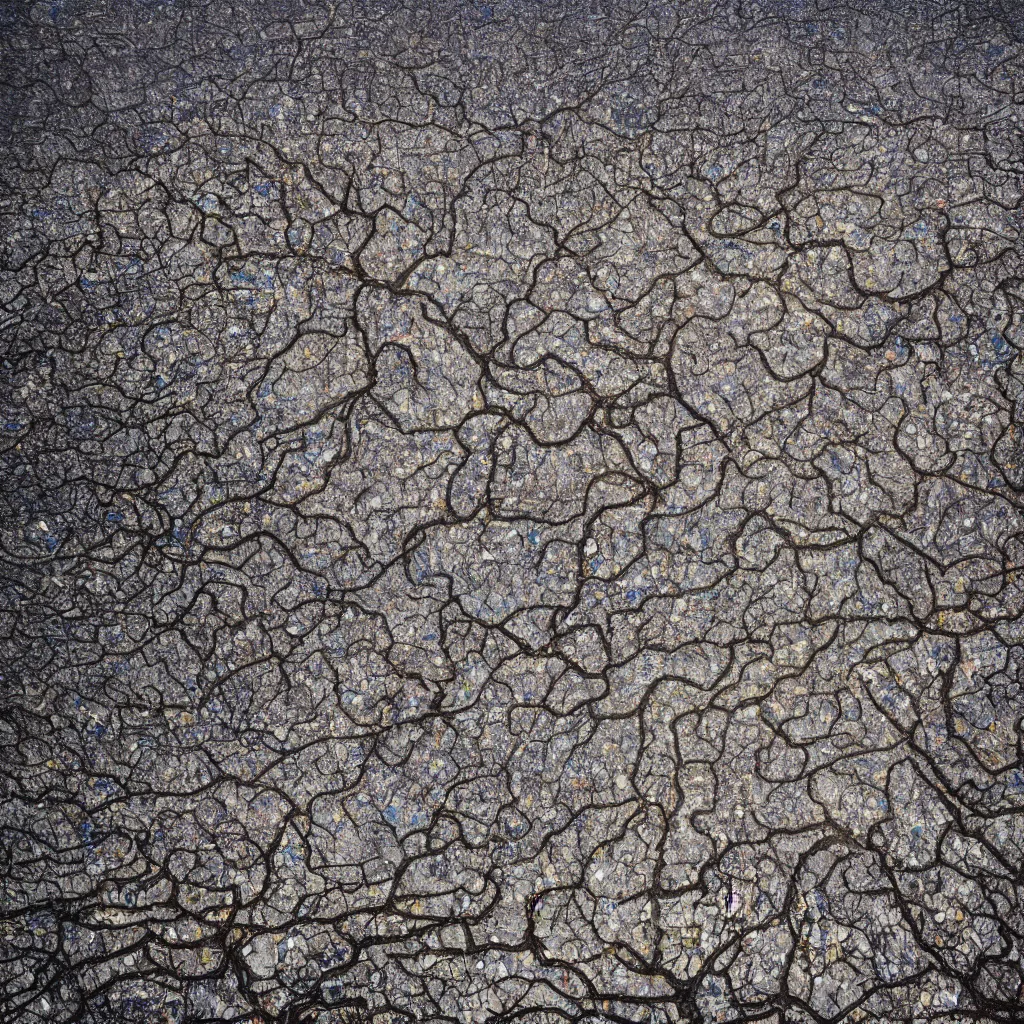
(511, 512)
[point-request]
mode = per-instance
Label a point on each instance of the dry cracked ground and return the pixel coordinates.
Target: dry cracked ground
(511, 512)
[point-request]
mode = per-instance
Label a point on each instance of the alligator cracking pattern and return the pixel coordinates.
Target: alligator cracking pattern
(511, 512)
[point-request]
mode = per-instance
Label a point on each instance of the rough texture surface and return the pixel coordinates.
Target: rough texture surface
(511, 512)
